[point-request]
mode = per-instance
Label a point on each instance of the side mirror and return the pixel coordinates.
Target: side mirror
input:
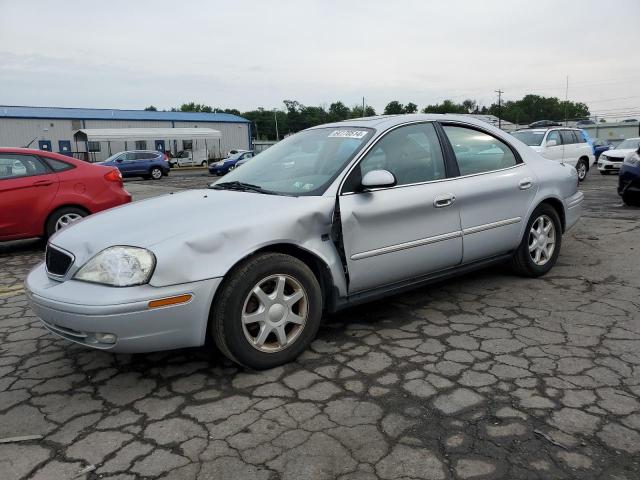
(378, 179)
(119, 160)
(551, 143)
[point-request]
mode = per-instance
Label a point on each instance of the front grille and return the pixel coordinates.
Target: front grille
(615, 159)
(58, 262)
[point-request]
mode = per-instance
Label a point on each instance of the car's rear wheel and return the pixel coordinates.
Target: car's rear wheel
(582, 168)
(203, 164)
(267, 311)
(63, 217)
(540, 245)
(155, 173)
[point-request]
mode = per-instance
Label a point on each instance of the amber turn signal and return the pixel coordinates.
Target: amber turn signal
(165, 302)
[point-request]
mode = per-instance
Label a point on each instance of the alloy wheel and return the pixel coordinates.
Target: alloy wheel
(156, 173)
(67, 219)
(542, 240)
(582, 170)
(274, 313)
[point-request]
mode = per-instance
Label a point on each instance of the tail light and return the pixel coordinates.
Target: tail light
(166, 158)
(114, 176)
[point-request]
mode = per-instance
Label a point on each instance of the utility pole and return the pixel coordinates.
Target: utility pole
(363, 114)
(275, 116)
(499, 92)
(566, 101)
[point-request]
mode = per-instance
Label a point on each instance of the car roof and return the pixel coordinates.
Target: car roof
(42, 153)
(383, 122)
(546, 129)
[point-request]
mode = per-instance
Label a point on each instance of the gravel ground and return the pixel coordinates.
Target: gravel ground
(484, 376)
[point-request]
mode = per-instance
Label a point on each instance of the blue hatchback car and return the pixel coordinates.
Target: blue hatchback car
(224, 166)
(140, 163)
(629, 180)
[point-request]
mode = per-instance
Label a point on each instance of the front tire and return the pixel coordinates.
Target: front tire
(61, 218)
(155, 173)
(267, 311)
(540, 245)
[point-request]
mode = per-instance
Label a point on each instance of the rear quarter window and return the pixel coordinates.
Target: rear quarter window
(58, 165)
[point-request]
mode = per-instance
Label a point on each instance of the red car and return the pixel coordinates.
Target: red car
(41, 192)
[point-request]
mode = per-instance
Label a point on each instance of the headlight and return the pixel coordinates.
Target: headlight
(603, 156)
(119, 267)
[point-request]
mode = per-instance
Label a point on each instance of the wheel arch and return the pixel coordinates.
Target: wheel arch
(60, 207)
(316, 264)
(558, 206)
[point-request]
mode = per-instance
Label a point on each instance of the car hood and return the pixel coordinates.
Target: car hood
(199, 234)
(619, 152)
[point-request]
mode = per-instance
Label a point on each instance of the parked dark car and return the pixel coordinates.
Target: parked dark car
(629, 180)
(140, 163)
(600, 146)
(225, 166)
(581, 123)
(544, 123)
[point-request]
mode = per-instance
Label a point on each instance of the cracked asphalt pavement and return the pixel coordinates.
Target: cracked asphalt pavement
(484, 376)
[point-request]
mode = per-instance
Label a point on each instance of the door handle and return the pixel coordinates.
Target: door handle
(525, 184)
(444, 200)
(42, 183)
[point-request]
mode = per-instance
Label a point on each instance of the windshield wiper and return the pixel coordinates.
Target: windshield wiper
(242, 187)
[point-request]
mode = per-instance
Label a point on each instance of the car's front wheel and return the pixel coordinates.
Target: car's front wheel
(582, 168)
(155, 173)
(267, 312)
(540, 245)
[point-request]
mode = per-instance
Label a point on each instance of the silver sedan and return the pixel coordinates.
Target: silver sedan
(333, 216)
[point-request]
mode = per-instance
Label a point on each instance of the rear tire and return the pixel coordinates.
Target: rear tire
(582, 167)
(536, 241)
(61, 218)
(267, 311)
(203, 164)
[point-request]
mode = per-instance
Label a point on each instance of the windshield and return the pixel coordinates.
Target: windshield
(304, 163)
(629, 143)
(531, 138)
(113, 157)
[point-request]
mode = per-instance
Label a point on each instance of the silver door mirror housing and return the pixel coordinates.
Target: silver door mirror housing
(551, 143)
(378, 179)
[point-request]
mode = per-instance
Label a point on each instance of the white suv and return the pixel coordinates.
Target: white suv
(567, 145)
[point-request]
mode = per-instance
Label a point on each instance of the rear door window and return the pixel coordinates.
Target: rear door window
(477, 151)
(16, 166)
(567, 137)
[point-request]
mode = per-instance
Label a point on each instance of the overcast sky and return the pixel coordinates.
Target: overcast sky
(246, 54)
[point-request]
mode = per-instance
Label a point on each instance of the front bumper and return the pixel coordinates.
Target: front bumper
(608, 165)
(573, 209)
(78, 310)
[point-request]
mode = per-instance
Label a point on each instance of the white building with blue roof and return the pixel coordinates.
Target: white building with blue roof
(53, 129)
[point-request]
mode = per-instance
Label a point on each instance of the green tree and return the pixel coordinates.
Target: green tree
(448, 106)
(394, 108)
(151, 108)
(531, 108)
(195, 107)
(410, 108)
(356, 111)
(338, 111)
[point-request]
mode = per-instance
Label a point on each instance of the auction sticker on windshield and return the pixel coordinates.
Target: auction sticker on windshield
(348, 134)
